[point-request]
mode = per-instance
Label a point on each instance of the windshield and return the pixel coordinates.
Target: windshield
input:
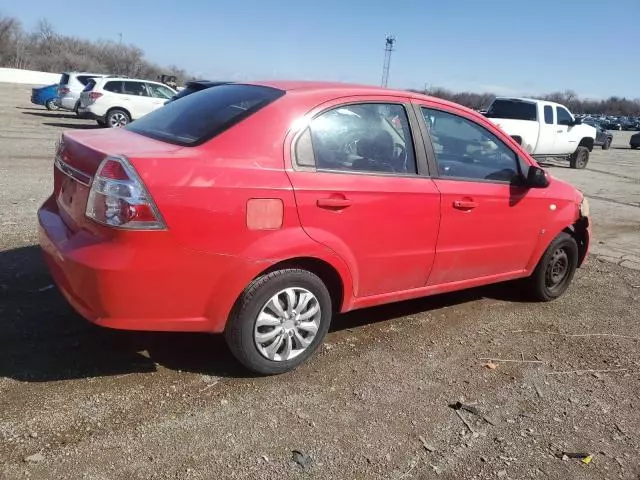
(203, 115)
(512, 109)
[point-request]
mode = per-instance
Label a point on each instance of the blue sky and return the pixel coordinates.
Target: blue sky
(507, 47)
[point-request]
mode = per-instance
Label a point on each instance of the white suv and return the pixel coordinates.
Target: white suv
(70, 86)
(114, 101)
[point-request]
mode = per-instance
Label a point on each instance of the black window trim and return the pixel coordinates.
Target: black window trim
(422, 167)
(431, 153)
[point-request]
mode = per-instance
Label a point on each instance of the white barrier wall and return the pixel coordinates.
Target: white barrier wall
(15, 75)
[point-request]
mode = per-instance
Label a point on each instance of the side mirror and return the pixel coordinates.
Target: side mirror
(537, 177)
(577, 121)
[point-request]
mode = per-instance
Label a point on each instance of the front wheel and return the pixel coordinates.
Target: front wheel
(579, 158)
(279, 321)
(556, 268)
(51, 104)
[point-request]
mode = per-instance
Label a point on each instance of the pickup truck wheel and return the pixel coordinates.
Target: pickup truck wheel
(556, 268)
(579, 158)
(607, 144)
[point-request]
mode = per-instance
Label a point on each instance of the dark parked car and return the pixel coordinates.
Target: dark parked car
(45, 96)
(193, 87)
(635, 141)
(603, 136)
(632, 124)
(612, 124)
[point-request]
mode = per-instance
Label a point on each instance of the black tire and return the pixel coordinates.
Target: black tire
(607, 144)
(579, 158)
(633, 147)
(546, 283)
(51, 104)
(117, 118)
(239, 332)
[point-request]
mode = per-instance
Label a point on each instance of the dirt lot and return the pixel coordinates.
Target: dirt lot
(77, 401)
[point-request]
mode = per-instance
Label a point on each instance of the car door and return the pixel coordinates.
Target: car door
(489, 224)
(137, 98)
(565, 141)
(160, 93)
(359, 175)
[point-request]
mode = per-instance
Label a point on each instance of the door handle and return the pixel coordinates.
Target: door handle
(333, 203)
(559, 131)
(464, 204)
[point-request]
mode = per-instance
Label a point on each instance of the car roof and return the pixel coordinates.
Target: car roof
(347, 89)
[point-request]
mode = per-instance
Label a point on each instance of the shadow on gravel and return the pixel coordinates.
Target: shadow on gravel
(48, 114)
(73, 126)
(41, 109)
(42, 339)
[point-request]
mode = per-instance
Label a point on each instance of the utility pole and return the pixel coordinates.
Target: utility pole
(389, 45)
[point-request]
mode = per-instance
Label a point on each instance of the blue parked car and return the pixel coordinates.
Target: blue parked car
(45, 96)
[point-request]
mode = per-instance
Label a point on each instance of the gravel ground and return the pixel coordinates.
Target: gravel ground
(77, 401)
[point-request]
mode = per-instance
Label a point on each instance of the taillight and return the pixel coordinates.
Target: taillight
(94, 95)
(63, 91)
(118, 198)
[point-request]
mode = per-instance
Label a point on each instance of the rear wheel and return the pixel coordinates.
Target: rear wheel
(279, 321)
(117, 118)
(51, 104)
(579, 158)
(607, 144)
(556, 268)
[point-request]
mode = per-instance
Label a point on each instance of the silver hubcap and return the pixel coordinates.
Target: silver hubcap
(118, 120)
(287, 324)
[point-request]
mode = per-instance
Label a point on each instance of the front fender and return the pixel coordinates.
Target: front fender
(566, 216)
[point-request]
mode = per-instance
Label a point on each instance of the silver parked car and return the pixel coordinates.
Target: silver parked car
(70, 86)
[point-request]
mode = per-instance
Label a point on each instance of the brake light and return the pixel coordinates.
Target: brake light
(118, 198)
(94, 95)
(64, 91)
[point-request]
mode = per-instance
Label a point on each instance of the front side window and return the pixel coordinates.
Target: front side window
(160, 91)
(135, 88)
(367, 137)
(548, 115)
(564, 117)
(468, 151)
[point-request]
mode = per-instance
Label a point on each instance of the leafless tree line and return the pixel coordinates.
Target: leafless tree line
(46, 50)
(610, 106)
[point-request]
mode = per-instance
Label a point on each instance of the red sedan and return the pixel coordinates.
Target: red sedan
(261, 210)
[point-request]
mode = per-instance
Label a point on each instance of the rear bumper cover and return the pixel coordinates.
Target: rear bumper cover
(141, 285)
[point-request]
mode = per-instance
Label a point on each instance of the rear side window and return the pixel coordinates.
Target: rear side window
(64, 79)
(201, 116)
(90, 84)
(135, 88)
(367, 137)
(548, 115)
(84, 79)
(512, 109)
(115, 87)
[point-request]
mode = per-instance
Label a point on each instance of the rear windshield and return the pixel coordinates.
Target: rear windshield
(512, 109)
(64, 79)
(203, 115)
(90, 84)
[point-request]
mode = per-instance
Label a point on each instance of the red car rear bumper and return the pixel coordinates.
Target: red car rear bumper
(136, 285)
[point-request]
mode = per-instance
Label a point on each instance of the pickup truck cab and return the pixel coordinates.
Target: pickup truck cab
(544, 129)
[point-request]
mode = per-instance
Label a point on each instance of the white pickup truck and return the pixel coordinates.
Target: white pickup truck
(544, 129)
